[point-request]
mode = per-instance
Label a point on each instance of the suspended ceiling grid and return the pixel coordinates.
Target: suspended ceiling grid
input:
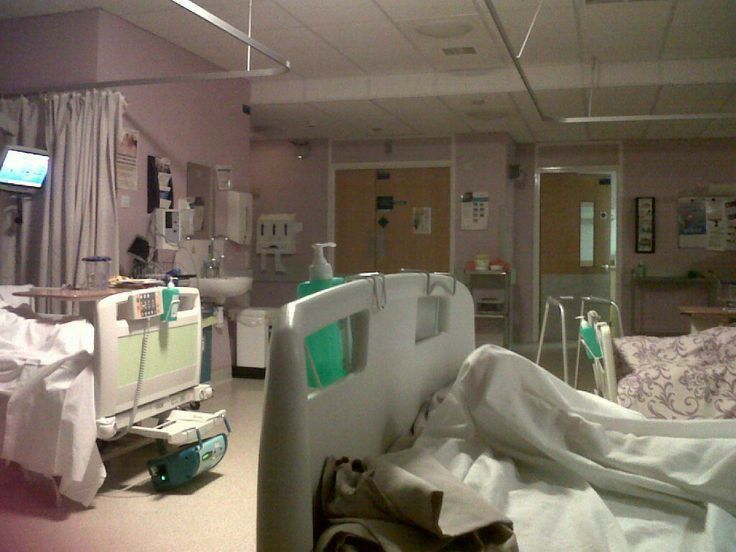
(376, 68)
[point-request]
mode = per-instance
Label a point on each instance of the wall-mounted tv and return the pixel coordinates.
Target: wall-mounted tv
(22, 169)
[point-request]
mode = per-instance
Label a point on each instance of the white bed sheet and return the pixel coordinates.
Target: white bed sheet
(47, 411)
(576, 472)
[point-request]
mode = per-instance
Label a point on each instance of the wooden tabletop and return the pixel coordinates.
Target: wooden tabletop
(709, 312)
(69, 294)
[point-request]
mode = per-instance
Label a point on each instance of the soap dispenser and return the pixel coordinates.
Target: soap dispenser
(325, 364)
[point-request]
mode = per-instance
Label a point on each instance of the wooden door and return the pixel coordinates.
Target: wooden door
(562, 270)
(390, 219)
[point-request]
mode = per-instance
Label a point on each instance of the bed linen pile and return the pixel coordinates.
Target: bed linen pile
(47, 411)
(575, 472)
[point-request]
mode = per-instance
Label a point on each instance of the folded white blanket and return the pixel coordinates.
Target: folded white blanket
(47, 413)
(576, 472)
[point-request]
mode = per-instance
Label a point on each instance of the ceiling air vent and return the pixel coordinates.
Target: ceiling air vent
(460, 51)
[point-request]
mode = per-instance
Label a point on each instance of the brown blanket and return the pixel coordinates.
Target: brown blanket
(404, 501)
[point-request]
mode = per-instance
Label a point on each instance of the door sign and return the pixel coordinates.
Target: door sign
(421, 220)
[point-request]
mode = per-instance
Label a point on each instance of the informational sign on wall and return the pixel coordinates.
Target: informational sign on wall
(422, 220)
(707, 222)
(474, 211)
(126, 161)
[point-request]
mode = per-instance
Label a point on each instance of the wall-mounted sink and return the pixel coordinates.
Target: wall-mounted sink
(219, 289)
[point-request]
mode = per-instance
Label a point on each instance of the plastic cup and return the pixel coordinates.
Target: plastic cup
(97, 272)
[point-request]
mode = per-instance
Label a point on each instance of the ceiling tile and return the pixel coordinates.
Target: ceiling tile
(425, 115)
(623, 100)
(14, 8)
(423, 9)
(617, 31)
(486, 55)
(697, 98)
(309, 54)
(367, 117)
(675, 129)
(702, 29)
(617, 131)
(332, 12)
(377, 48)
(720, 129)
(553, 38)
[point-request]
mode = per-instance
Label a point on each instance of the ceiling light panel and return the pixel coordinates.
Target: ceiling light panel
(632, 31)
(488, 55)
(702, 29)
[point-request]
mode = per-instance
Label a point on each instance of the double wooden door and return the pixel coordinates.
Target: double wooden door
(389, 219)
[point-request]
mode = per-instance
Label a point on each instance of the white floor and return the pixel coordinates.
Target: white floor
(217, 511)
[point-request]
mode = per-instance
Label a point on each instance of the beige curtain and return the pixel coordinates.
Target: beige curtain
(76, 215)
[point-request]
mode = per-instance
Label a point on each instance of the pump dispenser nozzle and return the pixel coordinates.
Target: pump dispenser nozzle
(320, 269)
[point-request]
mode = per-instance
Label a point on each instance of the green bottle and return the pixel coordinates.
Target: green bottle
(324, 346)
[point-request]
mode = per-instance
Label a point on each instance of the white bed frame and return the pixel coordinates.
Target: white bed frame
(393, 373)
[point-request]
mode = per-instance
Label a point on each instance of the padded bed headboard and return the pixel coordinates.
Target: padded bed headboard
(406, 344)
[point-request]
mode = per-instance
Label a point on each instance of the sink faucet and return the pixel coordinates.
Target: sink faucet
(214, 266)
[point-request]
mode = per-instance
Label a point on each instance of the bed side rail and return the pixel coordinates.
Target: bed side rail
(358, 413)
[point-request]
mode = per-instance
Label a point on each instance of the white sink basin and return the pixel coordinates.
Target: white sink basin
(219, 289)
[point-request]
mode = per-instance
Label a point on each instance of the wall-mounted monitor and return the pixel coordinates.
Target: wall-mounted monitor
(22, 169)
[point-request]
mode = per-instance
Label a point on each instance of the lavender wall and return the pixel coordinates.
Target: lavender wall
(386, 151)
(284, 184)
(664, 169)
(199, 121)
(56, 49)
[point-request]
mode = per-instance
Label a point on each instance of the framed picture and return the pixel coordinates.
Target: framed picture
(645, 222)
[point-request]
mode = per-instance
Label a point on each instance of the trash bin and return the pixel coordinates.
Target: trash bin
(252, 335)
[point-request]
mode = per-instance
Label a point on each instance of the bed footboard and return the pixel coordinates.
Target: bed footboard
(405, 344)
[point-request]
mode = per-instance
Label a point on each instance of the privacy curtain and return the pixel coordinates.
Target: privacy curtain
(22, 122)
(76, 216)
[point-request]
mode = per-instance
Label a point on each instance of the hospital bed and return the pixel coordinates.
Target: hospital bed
(682, 377)
(123, 370)
(572, 471)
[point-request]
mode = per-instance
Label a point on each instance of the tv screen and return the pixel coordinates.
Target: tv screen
(23, 169)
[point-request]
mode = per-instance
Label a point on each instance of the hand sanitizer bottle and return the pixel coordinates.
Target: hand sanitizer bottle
(325, 362)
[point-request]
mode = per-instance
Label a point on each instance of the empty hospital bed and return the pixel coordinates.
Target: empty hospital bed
(570, 470)
(66, 383)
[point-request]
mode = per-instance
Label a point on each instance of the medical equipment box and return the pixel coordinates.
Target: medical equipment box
(184, 465)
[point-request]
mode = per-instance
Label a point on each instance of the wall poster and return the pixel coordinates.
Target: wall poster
(645, 222)
(126, 161)
(707, 222)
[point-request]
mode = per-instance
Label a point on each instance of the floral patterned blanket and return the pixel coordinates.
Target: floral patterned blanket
(684, 377)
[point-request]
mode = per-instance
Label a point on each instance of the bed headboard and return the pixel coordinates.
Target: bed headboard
(406, 343)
